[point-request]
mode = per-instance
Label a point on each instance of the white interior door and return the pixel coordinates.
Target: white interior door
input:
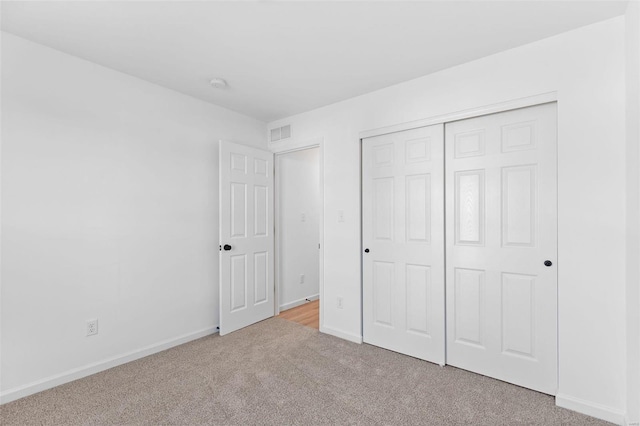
(246, 236)
(501, 191)
(403, 242)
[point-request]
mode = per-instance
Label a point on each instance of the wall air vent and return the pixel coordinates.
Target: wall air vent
(285, 132)
(280, 133)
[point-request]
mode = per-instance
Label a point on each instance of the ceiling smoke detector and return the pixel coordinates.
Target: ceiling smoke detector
(219, 83)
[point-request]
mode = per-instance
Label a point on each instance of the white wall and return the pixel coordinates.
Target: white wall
(298, 186)
(633, 210)
(110, 211)
(587, 69)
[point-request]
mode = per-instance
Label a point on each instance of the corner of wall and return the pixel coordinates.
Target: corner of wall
(355, 338)
(632, 41)
(592, 409)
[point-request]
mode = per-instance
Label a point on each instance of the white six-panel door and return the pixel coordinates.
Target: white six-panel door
(246, 236)
(501, 228)
(403, 242)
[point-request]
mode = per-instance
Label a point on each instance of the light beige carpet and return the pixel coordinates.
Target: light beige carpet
(281, 373)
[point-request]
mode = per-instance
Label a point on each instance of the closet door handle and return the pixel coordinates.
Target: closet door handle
(366, 250)
(226, 247)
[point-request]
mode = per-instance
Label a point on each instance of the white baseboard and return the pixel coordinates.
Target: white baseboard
(592, 409)
(78, 373)
(355, 338)
(298, 302)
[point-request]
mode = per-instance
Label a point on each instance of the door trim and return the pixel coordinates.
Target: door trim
(528, 101)
(278, 152)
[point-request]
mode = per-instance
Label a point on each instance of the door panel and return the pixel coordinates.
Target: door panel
(403, 228)
(246, 225)
(418, 296)
(469, 199)
(501, 194)
(468, 294)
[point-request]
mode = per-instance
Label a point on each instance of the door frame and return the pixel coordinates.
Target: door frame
(529, 101)
(278, 151)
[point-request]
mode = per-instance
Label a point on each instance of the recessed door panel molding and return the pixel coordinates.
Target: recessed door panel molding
(519, 136)
(469, 207)
(468, 300)
(246, 237)
(239, 209)
(403, 242)
(383, 155)
(418, 282)
(261, 278)
(417, 150)
(501, 203)
(383, 208)
(261, 167)
(519, 213)
(418, 208)
(383, 292)
(469, 143)
(261, 214)
(239, 163)
(238, 282)
(518, 311)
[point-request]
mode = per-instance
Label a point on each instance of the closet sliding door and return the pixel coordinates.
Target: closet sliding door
(403, 242)
(495, 187)
(501, 192)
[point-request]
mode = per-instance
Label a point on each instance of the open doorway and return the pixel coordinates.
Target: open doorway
(298, 215)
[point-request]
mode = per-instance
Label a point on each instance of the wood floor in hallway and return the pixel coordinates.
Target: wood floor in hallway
(307, 314)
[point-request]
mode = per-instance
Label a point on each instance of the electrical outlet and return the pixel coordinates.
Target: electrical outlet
(340, 306)
(303, 217)
(301, 278)
(92, 327)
